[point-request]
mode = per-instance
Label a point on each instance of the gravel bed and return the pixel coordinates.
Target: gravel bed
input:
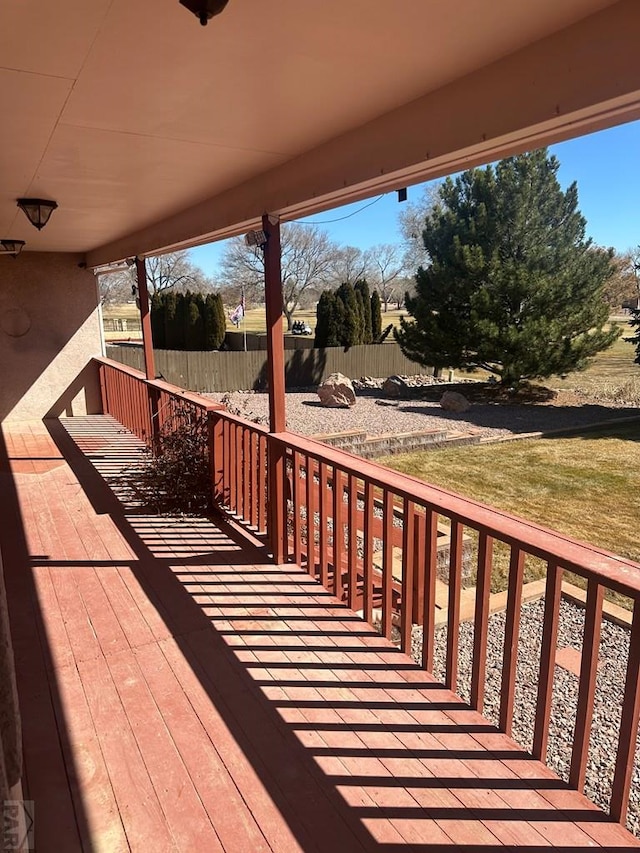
(375, 414)
(614, 647)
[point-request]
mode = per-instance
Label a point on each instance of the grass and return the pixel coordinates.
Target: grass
(255, 320)
(587, 486)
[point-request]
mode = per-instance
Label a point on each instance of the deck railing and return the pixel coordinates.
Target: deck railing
(380, 540)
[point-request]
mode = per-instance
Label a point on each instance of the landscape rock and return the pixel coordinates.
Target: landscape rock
(452, 401)
(394, 386)
(406, 386)
(336, 392)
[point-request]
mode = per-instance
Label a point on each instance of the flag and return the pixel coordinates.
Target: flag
(239, 312)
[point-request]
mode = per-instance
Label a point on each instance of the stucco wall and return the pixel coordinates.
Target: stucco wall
(49, 330)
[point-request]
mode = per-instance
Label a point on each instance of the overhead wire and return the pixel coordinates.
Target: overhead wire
(341, 218)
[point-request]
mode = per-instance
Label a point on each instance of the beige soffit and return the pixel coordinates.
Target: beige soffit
(150, 130)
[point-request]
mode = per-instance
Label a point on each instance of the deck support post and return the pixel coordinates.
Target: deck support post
(145, 319)
(147, 342)
(276, 519)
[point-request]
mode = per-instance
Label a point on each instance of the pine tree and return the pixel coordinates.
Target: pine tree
(158, 311)
(376, 317)
(362, 289)
(512, 286)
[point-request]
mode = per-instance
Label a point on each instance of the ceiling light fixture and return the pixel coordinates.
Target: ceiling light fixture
(37, 210)
(204, 10)
(11, 247)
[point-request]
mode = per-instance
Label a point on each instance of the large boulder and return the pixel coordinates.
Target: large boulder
(452, 401)
(336, 392)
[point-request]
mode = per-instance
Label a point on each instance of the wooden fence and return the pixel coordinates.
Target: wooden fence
(235, 371)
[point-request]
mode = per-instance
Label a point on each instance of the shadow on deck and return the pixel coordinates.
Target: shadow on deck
(179, 692)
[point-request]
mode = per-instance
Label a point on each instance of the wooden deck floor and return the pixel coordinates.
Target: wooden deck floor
(180, 693)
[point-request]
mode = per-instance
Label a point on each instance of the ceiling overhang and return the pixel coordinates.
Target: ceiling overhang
(150, 137)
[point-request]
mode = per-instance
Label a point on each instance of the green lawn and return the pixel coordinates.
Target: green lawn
(587, 487)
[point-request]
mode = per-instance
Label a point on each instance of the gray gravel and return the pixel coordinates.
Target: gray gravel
(305, 415)
(614, 648)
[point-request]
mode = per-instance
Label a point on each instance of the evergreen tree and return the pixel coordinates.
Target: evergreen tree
(170, 323)
(326, 333)
(158, 311)
(512, 285)
(349, 330)
(364, 303)
(376, 317)
(194, 337)
(180, 322)
(222, 319)
(214, 329)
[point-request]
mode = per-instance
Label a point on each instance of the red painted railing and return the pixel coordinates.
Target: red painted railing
(379, 539)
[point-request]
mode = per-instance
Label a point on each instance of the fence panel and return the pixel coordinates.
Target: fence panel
(237, 371)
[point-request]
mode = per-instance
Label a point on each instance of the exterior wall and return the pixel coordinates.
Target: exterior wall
(49, 331)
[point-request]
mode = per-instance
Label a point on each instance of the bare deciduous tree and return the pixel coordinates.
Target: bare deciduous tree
(173, 270)
(387, 265)
(623, 286)
(306, 262)
(350, 264)
(411, 223)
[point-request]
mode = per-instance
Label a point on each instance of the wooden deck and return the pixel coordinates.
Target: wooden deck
(179, 692)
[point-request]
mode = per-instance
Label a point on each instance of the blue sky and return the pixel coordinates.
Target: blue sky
(606, 166)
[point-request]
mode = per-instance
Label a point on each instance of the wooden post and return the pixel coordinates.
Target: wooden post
(145, 318)
(147, 343)
(277, 524)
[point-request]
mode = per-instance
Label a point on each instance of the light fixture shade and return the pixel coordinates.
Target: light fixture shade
(37, 210)
(204, 10)
(11, 247)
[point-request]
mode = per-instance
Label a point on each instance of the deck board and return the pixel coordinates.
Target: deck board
(179, 692)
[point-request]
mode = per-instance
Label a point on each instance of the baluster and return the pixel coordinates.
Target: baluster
(311, 516)
(628, 725)
(387, 563)
(338, 532)
(352, 583)
(481, 620)
(262, 483)
(246, 468)
(429, 607)
(453, 617)
(511, 635)
(586, 690)
(295, 501)
(408, 566)
(367, 593)
(323, 526)
(552, 598)
(254, 455)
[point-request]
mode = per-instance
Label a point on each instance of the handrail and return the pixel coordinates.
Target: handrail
(582, 558)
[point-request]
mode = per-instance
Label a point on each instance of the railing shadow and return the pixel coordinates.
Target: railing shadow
(356, 748)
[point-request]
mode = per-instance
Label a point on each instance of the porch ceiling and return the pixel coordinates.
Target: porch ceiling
(151, 131)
